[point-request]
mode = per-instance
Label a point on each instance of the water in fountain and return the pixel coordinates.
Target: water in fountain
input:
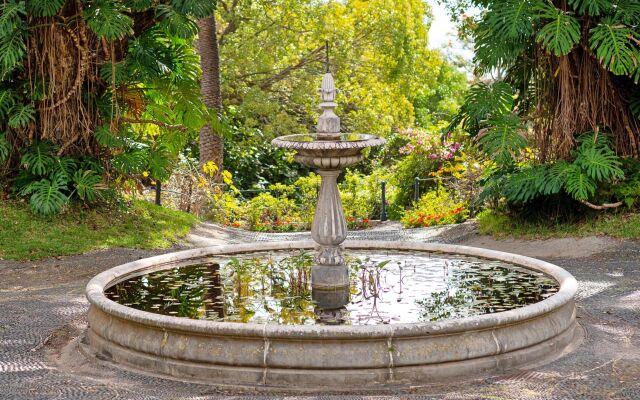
(385, 288)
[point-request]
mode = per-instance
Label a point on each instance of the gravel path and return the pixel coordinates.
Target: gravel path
(43, 309)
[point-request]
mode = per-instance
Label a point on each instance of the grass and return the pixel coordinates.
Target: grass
(618, 225)
(25, 236)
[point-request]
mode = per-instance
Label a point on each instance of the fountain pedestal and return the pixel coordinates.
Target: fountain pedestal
(329, 152)
(329, 230)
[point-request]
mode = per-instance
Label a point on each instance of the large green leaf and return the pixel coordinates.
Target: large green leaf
(526, 184)
(44, 8)
(12, 49)
(21, 115)
(140, 5)
(107, 19)
(47, 195)
(86, 185)
(503, 140)
(7, 101)
(494, 52)
(591, 7)
(600, 163)
(196, 8)
(556, 177)
(510, 19)
(11, 14)
(107, 139)
(132, 161)
(628, 11)
(483, 102)
(38, 159)
(5, 149)
(175, 23)
(160, 162)
(612, 42)
(578, 183)
(559, 35)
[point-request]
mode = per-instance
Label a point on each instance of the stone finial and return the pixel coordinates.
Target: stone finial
(328, 88)
(329, 123)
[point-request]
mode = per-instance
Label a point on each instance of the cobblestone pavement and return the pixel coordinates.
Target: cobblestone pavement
(43, 307)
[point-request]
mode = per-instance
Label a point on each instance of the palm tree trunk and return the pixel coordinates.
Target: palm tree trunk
(211, 143)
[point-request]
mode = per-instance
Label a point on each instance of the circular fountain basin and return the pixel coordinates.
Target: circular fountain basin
(342, 357)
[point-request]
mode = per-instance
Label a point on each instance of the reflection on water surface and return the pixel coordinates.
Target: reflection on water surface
(386, 287)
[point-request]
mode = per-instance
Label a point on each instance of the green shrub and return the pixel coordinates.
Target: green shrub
(266, 212)
(52, 181)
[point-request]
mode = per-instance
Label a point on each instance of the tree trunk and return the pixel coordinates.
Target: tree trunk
(211, 143)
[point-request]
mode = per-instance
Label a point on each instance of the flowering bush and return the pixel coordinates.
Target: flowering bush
(268, 213)
(437, 207)
(429, 143)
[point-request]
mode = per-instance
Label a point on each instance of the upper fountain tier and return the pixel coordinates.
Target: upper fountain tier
(328, 148)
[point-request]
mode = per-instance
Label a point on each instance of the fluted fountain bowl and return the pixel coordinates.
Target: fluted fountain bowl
(314, 151)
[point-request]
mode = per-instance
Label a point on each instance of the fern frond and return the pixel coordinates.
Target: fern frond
(612, 44)
(561, 34)
(21, 115)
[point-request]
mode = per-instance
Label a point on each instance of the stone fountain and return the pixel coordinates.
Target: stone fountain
(329, 151)
(324, 357)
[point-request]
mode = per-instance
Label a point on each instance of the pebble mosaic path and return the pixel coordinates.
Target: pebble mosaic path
(42, 315)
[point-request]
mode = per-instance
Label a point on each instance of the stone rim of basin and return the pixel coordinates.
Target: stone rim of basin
(293, 142)
(95, 293)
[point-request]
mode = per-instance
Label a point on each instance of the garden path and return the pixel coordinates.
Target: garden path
(43, 314)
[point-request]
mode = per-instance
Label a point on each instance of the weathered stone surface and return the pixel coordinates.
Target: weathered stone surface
(350, 356)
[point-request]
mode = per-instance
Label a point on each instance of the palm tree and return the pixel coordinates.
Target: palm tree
(211, 143)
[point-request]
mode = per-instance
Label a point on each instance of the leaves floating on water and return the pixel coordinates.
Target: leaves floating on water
(390, 287)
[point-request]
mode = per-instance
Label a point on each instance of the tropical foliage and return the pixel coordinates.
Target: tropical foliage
(561, 118)
(95, 93)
